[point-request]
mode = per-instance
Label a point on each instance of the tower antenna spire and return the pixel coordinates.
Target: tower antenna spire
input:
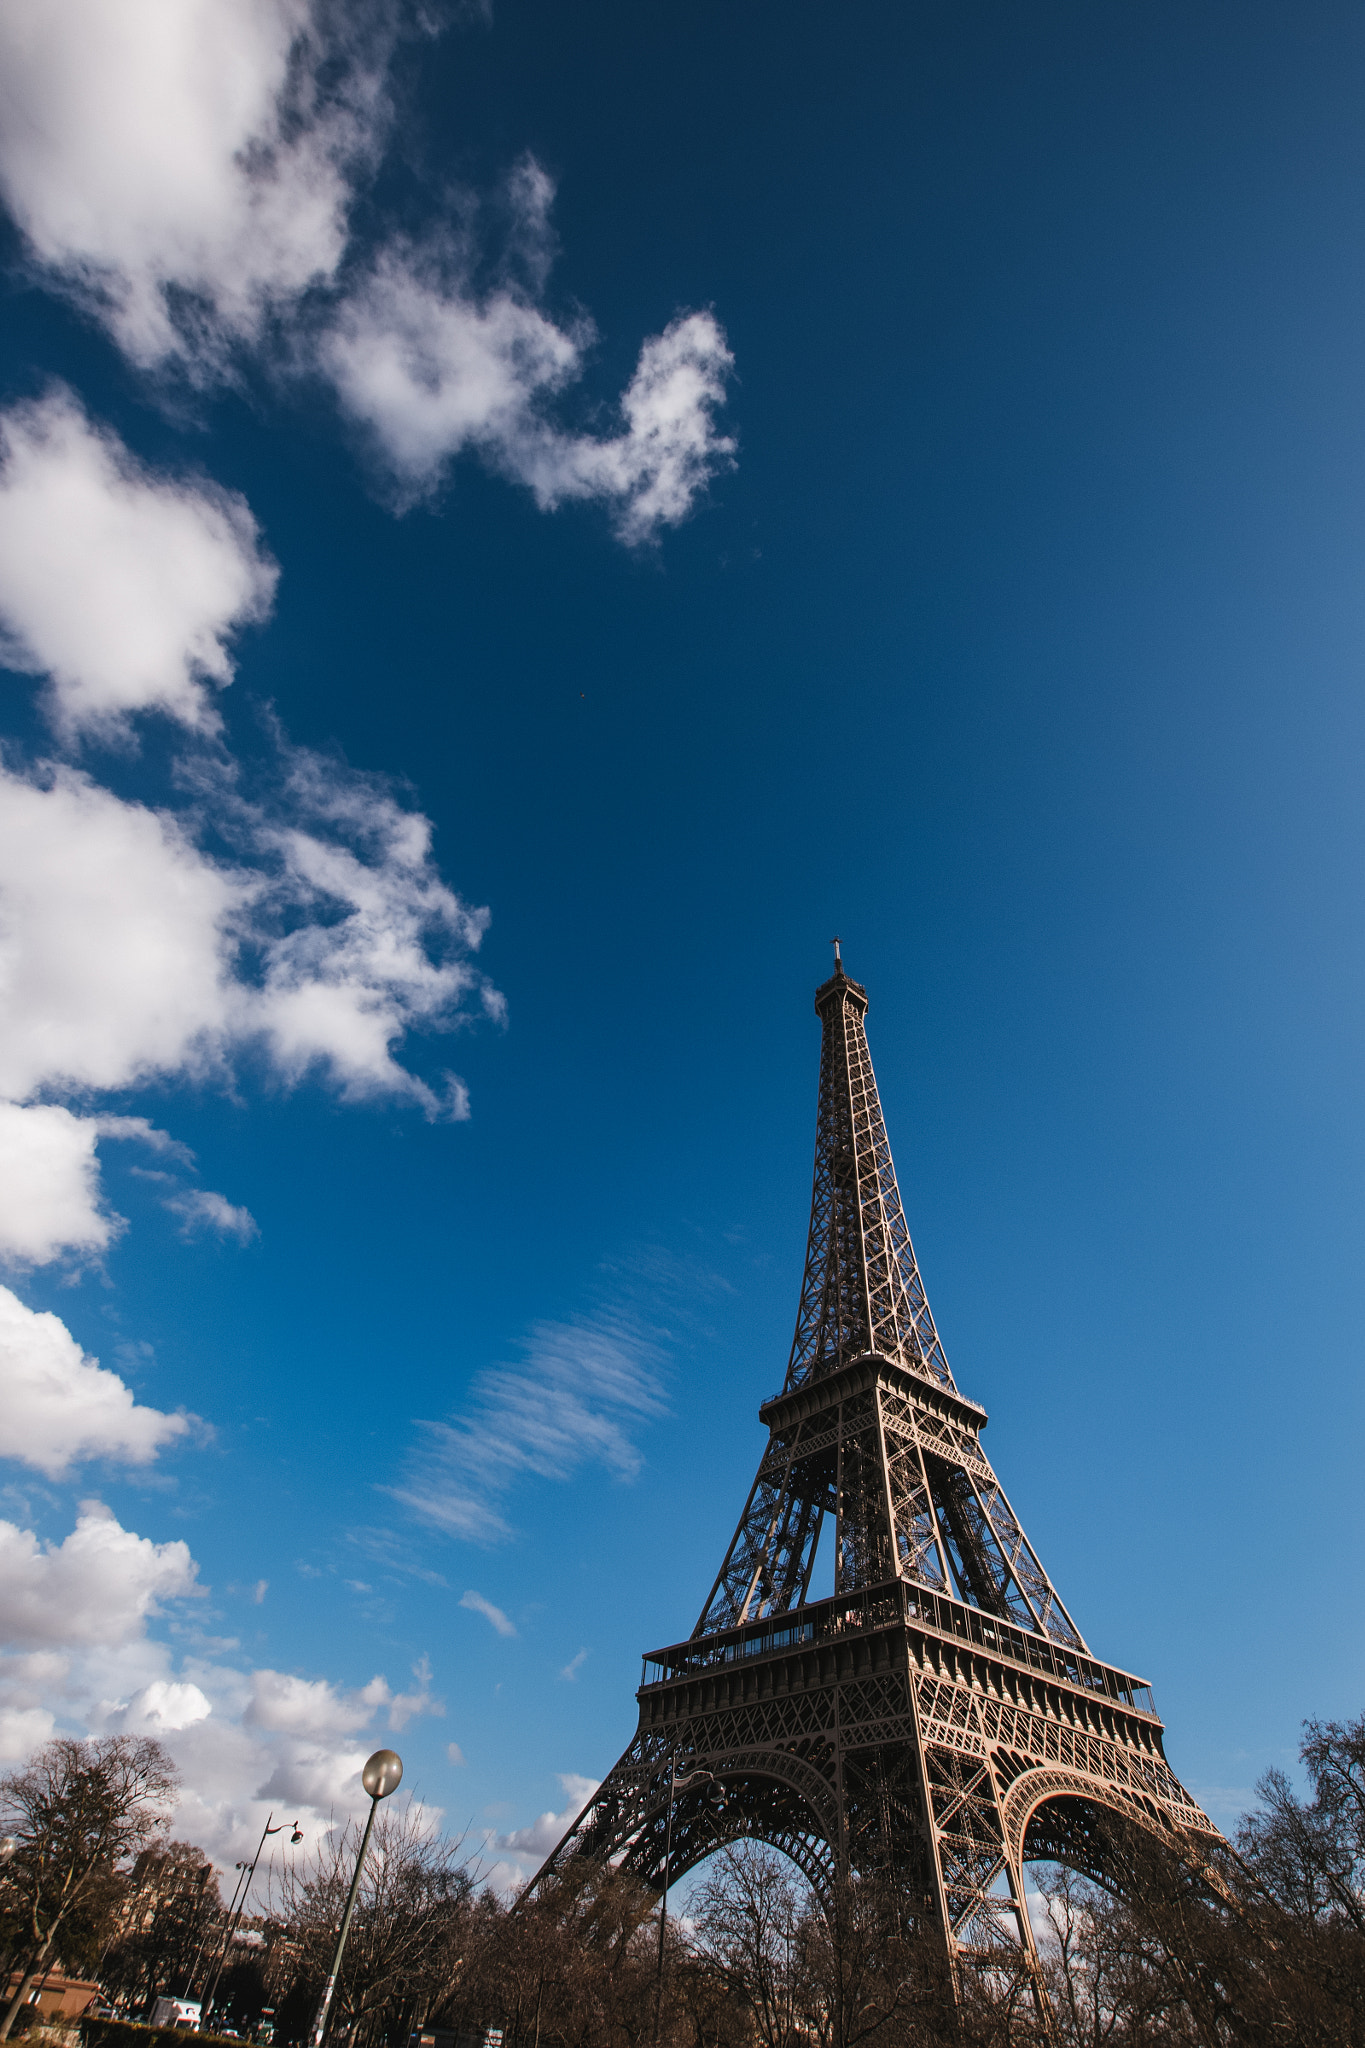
(838, 956)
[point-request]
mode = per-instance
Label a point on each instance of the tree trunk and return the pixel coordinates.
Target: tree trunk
(15, 2005)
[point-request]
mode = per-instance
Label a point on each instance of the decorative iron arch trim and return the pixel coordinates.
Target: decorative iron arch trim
(811, 1854)
(634, 1841)
(1034, 1788)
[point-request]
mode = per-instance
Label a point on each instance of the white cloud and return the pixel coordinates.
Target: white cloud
(359, 938)
(202, 1209)
(165, 1706)
(582, 1389)
(115, 931)
(669, 449)
(50, 1196)
(270, 1739)
(77, 1653)
(454, 1754)
(275, 1738)
(182, 169)
(121, 586)
(49, 1185)
(144, 1133)
(430, 369)
(311, 1706)
(323, 1778)
(544, 1833)
(61, 1407)
(476, 1604)
(176, 163)
(405, 1706)
(574, 1666)
(22, 1730)
(128, 952)
(522, 1851)
(98, 1587)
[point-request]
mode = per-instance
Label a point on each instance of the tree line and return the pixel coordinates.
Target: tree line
(1262, 1944)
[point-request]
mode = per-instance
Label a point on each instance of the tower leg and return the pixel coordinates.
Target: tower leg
(981, 1883)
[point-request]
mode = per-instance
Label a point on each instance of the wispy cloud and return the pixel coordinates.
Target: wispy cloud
(138, 1128)
(574, 1666)
(582, 1391)
(1225, 1803)
(392, 1553)
(476, 1604)
(521, 1852)
(404, 1705)
(202, 1209)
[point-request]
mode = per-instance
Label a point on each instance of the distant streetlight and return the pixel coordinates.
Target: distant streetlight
(238, 1906)
(716, 1797)
(382, 1774)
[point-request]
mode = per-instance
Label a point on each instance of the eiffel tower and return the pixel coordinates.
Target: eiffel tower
(939, 1720)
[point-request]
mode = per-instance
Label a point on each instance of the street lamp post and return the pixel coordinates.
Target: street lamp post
(382, 1774)
(202, 1942)
(239, 1898)
(240, 1868)
(718, 1797)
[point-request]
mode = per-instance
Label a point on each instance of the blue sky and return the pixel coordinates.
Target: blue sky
(513, 531)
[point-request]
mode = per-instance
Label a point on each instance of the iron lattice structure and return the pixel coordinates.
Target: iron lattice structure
(939, 1721)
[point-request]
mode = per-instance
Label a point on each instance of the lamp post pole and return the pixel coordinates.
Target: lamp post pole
(239, 1891)
(202, 1942)
(674, 1781)
(382, 1774)
(238, 1906)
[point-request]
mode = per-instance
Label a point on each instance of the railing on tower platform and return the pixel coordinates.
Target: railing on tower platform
(890, 1606)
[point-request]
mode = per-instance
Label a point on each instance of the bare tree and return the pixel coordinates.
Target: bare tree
(77, 1812)
(704, 2010)
(872, 1977)
(167, 1918)
(749, 1913)
(405, 1941)
(575, 1967)
(1193, 1949)
(1310, 1853)
(844, 1970)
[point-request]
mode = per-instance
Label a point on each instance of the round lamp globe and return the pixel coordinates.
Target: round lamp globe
(382, 1774)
